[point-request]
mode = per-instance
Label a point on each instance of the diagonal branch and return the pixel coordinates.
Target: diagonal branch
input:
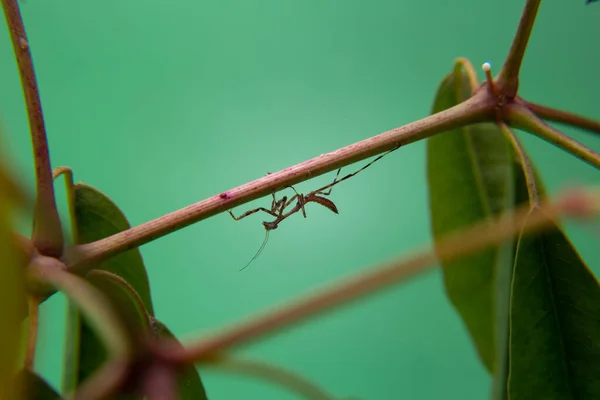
(580, 204)
(564, 117)
(47, 234)
(478, 108)
(518, 116)
(92, 303)
(508, 78)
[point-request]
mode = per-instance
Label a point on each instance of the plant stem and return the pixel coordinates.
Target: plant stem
(580, 204)
(476, 109)
(159, 383)
(92, 304)
(32, 331)
(70, 189)
(518, 116)
(104, 383)
(287, 379)
(508, 78)
(532, 190)
(47, 234)
(564, 117)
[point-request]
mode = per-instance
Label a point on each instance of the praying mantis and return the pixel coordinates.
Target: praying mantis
(279, 207)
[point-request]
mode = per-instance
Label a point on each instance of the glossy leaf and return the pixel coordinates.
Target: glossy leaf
(555, 321)
(12, 289)
(190, 384)
(97, 217)
(33, 387)
(470, 176)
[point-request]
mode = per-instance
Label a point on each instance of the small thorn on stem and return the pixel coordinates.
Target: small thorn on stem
(487, 68)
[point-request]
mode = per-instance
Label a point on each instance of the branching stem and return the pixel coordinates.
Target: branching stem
(520, 117)
(508, 78)
(564, 117)
(478, 108)
(47, 233)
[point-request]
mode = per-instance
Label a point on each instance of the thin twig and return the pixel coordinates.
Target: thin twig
(32, 331)
(275, 374)
(508, 78)
(70, 189)
(92, 303)
(104, 383)
(532, 189)
(478, 108)
(564, 117)
(520, 117)
(159, 382)
(576, 204)
(47, 233)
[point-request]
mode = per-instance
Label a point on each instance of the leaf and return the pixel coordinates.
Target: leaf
(124, 298)
(132, 315)
(97, 217)
(470, 176)
(190, 384)
(139, 323)
(555, 321)
(33, 387)
(13, 303)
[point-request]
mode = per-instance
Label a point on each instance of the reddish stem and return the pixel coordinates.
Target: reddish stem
(564, 117)
(508, 78)
(47, 233)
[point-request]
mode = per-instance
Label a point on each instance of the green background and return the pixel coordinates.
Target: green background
(163, 103)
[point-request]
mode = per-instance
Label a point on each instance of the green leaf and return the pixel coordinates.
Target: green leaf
(33, 387)
(97, 217)
(190, 384)
(131, 312)
(555, 321)
(13, 303)
(139, 323)
(470, 176)
(126, 301)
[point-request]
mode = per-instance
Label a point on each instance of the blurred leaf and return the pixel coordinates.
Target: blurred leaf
(132, 313)
(555, 321)
(33, 387)
(190, 384)
(98, 217)
(470, 175)
(13, 303)
(124, 298)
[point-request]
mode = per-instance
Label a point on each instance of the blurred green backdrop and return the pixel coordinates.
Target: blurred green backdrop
(162, 104)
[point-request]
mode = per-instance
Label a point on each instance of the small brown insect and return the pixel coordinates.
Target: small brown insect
(278, 207)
